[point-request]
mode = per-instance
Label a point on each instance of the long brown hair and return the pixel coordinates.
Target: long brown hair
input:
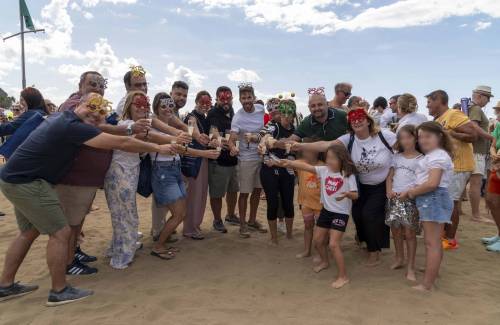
(347, 166)
(445, 141)
(411, 130)
(372, 126)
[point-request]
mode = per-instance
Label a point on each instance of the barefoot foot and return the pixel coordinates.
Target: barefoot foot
(410, 275)
(340, 282)
(397, 265)
(322, 266)
(421, 288)
(316, 259)
(303, 254)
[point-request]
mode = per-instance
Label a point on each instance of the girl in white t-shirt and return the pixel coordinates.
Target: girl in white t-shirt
(338, 189)
(402, 214)
(431, 194)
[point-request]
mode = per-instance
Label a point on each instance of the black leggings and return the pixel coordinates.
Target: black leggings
(368, 213)
(278, 183)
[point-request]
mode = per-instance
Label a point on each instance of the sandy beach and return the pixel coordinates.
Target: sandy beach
(227, 280)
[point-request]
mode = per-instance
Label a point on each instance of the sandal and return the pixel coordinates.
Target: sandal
(173, 249)
(164, 255)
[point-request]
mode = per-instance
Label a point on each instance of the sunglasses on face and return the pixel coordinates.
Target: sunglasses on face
(346, 93)
(167, 103)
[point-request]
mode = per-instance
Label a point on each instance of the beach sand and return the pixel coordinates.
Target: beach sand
(227, 280)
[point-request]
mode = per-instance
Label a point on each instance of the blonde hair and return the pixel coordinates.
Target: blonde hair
(407, 103)
(127, 115)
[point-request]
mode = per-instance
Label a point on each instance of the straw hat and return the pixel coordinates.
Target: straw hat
(497, 106)
(484, 90)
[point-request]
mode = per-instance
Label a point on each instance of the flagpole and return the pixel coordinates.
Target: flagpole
(22, 46)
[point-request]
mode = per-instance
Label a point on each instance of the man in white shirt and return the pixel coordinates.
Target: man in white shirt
(245, 128)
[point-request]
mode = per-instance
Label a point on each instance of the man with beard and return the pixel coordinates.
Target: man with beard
(222, 173)
(179, 94)
(245, 127)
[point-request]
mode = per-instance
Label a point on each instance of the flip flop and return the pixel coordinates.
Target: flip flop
(166, 255)
(173, 249)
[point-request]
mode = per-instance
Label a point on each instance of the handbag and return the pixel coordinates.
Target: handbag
(190, 166)
(144, 187)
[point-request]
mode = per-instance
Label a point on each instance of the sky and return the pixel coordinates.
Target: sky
(382, 47)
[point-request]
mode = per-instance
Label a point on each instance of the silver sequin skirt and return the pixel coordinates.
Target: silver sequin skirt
(402, 213)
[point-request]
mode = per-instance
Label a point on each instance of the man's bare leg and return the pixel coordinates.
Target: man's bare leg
(15, 255)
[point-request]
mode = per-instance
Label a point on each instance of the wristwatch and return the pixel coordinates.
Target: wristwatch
(129, 130)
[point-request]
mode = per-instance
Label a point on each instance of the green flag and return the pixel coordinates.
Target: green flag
(26, 14)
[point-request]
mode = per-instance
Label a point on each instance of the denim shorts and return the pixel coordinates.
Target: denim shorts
(435, 206)
(167, 182)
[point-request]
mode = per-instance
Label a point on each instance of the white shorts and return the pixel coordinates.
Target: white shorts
(480, 164)
(458, 183)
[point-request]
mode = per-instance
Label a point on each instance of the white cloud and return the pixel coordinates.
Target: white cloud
(93, 3)
(163, 21)
(88, 15)
(480, 25)
(182, 73)
(243, 75)
(319, 17)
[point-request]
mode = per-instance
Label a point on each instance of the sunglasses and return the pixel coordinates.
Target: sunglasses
(346, 93)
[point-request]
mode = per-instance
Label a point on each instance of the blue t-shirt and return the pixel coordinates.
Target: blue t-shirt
(49, 150)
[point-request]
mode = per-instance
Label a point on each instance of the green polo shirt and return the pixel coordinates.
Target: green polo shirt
(334, 127)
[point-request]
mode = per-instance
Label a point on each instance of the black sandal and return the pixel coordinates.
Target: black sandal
(166, 255)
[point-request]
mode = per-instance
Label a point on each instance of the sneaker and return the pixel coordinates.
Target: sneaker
(282, 227)
(490, 240)
(244, 233)
(219, 226)
(257, 226)
(67, 296)
(83, 257)
(494, 247)
(2, 214)
(449, 244)
(78, 268)
(232, 220)
(16, 290)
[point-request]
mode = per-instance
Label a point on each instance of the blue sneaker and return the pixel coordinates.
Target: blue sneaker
(490, 240)
(494, 247)
(67, 295)
(16, 290)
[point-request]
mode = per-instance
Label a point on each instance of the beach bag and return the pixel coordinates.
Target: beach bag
(22, 132)
(349, 149)
(144, 187)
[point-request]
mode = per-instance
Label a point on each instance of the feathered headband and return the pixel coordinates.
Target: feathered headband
(137, 71)
(356, 115)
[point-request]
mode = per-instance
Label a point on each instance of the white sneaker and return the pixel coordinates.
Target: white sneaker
(282, 227)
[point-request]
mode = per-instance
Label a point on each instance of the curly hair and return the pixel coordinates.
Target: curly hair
(347, 166)
(445, 141)
(407, 103)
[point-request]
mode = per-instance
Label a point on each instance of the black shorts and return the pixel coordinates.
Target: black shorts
(332, 220)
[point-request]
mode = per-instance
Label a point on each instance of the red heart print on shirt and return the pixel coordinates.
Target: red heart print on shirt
(333, 184)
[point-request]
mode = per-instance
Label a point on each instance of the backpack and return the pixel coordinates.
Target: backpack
(22, 132)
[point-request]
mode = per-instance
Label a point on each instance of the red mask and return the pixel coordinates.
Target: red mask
(225, 96)
(357, 115)
(206, 101)
(141, 102)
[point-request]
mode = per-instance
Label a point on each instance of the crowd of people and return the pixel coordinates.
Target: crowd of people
(385, 165)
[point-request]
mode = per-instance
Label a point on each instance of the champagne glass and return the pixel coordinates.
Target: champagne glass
(237, 144)
(288, 146)
(191, 124)
(213, 132)
(227, 135)
(248, 135)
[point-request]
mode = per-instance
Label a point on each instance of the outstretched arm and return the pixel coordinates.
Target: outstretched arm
(129, 144)
(297, 164)
(320, 146)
